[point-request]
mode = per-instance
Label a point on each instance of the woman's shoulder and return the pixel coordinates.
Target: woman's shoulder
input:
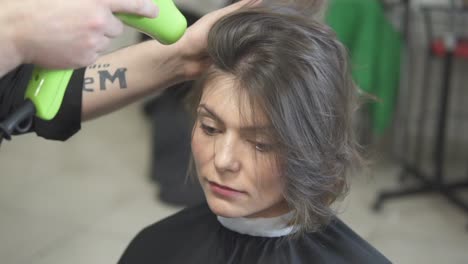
(162, 239)
(338, 240)
(183, 221)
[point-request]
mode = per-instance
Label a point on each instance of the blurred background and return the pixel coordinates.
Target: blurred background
(83, 201)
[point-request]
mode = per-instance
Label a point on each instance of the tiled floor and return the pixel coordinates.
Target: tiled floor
(82, 202)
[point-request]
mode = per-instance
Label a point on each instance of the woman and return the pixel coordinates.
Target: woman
(272, 145)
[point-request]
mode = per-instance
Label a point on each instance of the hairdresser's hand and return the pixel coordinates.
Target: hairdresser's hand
(194, 42)
(65, 33)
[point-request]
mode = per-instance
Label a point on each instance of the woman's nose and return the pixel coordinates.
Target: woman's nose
(225, 157)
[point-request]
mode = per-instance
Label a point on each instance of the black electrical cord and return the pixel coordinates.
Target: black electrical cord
(19, 121)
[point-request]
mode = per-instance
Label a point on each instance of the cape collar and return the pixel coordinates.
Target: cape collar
(262, 227)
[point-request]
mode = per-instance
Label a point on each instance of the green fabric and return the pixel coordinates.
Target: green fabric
(374, 47)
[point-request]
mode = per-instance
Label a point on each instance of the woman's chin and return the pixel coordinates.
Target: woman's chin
(224, 208)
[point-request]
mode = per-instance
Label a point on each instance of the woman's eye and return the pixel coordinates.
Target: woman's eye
(262, 147)
(209, 130)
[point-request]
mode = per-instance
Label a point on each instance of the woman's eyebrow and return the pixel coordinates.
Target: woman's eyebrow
(210, 113)
(263, 132)
(246, 129)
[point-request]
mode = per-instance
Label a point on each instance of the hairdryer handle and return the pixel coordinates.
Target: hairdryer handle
(47, 87)
(46, 90)
(167, 28)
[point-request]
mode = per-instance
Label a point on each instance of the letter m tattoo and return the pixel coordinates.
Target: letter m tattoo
(119, 74)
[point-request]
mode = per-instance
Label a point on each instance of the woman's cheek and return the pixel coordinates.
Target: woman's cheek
(200, 145)
(195, 144)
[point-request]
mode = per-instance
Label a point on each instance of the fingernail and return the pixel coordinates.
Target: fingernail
(152, 8)
(154, 11)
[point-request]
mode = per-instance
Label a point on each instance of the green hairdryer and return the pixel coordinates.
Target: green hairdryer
(47, 87)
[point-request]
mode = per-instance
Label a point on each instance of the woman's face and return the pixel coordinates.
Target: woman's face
(234, 155)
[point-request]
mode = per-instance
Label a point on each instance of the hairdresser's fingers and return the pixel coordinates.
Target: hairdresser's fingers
(145, 8)
(231, 8)
(87, 59)
(114, 27)
(103, 44)
(214, 16)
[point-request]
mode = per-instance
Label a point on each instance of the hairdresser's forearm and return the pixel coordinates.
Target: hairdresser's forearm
(127, 75)
(8, 60)
(9, 57)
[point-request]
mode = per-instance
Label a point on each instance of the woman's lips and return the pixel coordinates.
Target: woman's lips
(224, 190)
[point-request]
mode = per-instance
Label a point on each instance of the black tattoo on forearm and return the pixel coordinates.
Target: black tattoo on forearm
(104, 76)
(88, 81)
(119, 74)
(99, 66)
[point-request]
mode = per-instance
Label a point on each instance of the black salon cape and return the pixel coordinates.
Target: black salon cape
(68, 120)
(195, 236)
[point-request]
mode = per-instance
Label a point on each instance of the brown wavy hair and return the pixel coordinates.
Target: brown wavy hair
(296, 71)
